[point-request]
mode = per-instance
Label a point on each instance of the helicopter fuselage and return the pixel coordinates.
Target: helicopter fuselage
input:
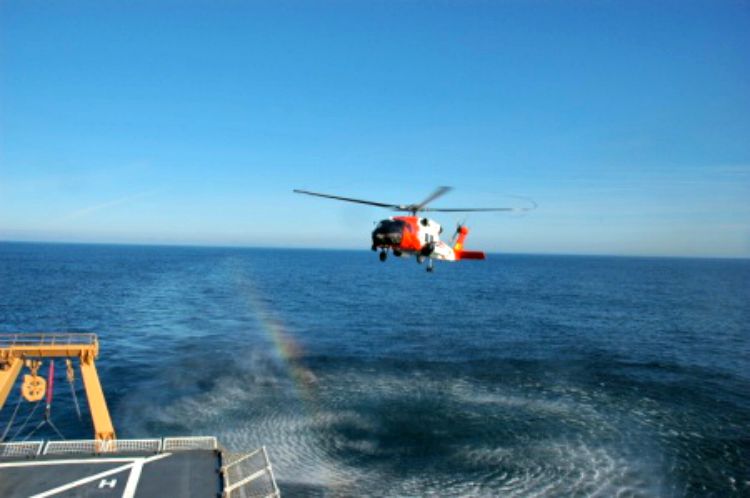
(411, 235)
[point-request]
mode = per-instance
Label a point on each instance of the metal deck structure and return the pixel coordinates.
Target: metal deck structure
(134, 468)
(106, 466)
(28, 350)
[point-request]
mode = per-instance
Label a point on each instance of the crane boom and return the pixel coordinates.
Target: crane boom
(16, 349)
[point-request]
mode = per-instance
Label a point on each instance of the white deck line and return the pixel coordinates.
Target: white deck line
(133, 478)
(80, 482)
(135, 465)
(32, 463)
(135, 474)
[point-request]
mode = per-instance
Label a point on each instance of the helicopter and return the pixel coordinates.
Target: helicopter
(418, 236)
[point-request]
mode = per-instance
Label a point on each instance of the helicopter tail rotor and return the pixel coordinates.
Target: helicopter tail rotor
(459, 226)
(458, 239)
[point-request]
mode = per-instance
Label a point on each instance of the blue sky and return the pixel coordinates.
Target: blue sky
(191, 122)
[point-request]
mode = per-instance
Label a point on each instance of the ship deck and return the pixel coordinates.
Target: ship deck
(72, 468)
(188, 473)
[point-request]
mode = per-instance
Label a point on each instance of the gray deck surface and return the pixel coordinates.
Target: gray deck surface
(191, 473)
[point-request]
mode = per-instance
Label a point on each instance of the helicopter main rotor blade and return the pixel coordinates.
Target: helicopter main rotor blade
(439, 192)
(349, 199)
(415, 208)
(469, 210)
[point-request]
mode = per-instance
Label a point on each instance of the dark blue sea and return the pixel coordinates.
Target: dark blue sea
(517, 376)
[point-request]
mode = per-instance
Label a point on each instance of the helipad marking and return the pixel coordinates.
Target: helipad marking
(80, 482)
(104, 483)
(136, 466)
(135, 475)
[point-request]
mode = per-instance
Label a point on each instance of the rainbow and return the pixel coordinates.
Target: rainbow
(287, 351)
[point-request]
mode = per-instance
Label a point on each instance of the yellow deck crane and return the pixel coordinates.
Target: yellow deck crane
(19, 350)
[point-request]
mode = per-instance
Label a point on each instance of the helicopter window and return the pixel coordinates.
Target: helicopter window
(390, 226)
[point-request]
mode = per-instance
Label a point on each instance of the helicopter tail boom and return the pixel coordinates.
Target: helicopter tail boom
(469, 255)
(461, 233)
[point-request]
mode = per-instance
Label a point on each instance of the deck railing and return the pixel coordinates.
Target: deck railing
(249, 475)
(190, 443)
(46, 339)
(94, 447)
(21, 449)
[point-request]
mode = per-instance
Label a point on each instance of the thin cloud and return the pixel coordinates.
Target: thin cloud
(81, 213)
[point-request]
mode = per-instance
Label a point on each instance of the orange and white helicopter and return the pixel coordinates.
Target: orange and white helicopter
(417, 236)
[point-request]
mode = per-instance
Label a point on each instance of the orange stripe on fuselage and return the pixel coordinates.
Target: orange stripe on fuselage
(410, 239)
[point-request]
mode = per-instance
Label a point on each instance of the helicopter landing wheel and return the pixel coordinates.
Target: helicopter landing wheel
(420, 259)
(429, 266)
(383, 255)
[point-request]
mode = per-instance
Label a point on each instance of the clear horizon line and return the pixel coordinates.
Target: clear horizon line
(319, 248)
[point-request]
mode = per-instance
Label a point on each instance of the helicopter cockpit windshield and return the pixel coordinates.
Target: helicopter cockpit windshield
(388, 232)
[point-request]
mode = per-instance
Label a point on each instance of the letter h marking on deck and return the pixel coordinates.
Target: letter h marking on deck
(104, 483)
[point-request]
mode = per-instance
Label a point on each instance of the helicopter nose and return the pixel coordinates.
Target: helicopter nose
(386, 238)
(387, 235)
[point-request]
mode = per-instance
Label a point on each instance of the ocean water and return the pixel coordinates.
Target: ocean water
(517, 376)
